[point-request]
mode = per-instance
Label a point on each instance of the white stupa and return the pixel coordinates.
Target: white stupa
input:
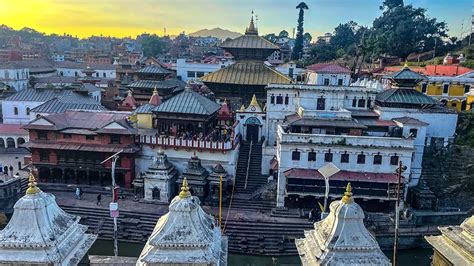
(341, 238)
(40, 232)
(185, 235)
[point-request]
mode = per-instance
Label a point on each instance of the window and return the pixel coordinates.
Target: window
(424, 87)
(361, 103)
(67, 136)
(326, 82)
(287, 99)
(43, 135)
(345, 158)
(15, 110)
(279, 99)
(104, 75)
(413, 132)
(312, 156)
(28, 110)
(90, 137)
(115, 139)
(199, 74)
(97, 74)
(467, 88)
(295, 155)
(394, 160)
(328, 157)
(191, 74)
(44, 156)
(354, 102)
(75, 73)
(445, 88)
(369, 103)
(290, 72)
(272, 99)
(321, 105)
(339, 82)
(361, 158)
(378, 159)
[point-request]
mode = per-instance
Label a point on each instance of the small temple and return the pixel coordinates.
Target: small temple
(160, 179)
(218, 175)
(455, 245)
(341, 238)
(40, 232)
(186, 235)
(197, 176)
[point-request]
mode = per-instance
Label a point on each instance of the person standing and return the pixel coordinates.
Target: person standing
(78, 193)
(99, 199)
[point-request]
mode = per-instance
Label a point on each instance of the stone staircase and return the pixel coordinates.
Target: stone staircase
(255, 178)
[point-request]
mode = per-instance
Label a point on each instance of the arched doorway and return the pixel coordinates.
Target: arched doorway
(10, 143)
(155, 193)
(253, 129)
(20, 141)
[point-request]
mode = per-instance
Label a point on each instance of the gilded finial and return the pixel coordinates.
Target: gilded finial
(32, 188)
(129, 94)
(347, 198)
(405, 65)
(254, 101)
(155, 91)
(184, 190)
(242, 108)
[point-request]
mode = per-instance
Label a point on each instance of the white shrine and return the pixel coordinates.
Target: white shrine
(160, 179)
(341, 238)
(40, 232)
(186, 235)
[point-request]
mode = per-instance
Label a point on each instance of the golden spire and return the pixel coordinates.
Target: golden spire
(251, 30)
(184, 190)
(405, 65)
(32, 188)
(347, 198)
(155, 91)
(242, 108)
(254, 101)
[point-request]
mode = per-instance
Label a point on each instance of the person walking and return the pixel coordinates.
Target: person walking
(78, 193)
(99, 199)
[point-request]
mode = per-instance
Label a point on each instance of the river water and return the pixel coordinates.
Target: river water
(418, 257)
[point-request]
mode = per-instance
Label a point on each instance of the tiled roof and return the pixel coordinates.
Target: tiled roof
(249, 42)
(343, 176)
(153, 69)
(12, 129)
(407, 73)
(159, 84)
(246, 73)
(37, 95)
(110, 148)
(329, 68)
(404, 96)
(72, 101)
(188, 102)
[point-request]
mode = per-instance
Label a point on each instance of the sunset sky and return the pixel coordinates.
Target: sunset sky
(130, 18)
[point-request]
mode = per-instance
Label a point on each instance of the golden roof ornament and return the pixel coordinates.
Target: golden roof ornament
(254, 101)
(251, 30)
(184, 190)
(347, 198)
(242, 108)
(32, 188)
(405, 65)
(155, 91)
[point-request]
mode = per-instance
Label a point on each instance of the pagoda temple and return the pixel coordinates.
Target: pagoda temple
(218, 173)
(186, 235)
(248, 75)
(341, 238)
(40, 232)
(160, 179)
(455, 245)
(197, 176)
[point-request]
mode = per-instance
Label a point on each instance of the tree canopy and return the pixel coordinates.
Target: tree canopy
(153, 45)
(299, 41)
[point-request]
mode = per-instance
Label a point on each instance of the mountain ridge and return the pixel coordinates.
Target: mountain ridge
(216, 32)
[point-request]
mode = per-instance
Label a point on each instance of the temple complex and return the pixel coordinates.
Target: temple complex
(341, 238)
(249, 74)
(186, 235)
(160, 179)
(455, 245)
(40, 232)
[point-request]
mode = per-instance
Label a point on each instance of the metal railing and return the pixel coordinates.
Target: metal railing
(248, 164)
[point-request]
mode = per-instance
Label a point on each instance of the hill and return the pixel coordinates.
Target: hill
(216, 32)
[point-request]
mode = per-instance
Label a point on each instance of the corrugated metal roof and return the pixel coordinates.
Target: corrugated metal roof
(406, 73)
(188, 102)
(82, 147)
(404, 96)
(73, 101)
(249, 42)
(153, 69)
(38, 95)
(246, 73)
(144, 109)
(326, 123)
(159, 84)
(342, 175)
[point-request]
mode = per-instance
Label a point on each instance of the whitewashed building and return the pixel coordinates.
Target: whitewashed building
(75, 69)
(341, 238)
(186, 235)
(328, 74)
(186, 70)
(14, 75)
(41, 233)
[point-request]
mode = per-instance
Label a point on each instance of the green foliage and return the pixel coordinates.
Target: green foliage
(469, 63)
(153, 45)
(322, 52)
(298, 49)
(271, 37)
(283, 34)
(307, 37)
(465, 129)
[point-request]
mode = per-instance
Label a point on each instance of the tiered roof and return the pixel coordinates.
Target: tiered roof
(188, 102)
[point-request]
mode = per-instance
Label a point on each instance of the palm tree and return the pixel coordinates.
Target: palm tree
(298, 49)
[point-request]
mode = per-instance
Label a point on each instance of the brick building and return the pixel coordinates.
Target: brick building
(69, 147)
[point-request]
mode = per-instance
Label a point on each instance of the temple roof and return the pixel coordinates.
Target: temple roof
(155, 98)
(341, 238)
(248, 41)
(69, 101)
(404, 96)
(158, 84)
(40, 232)
(37, 95)
(153, 69)
(247, 73)
(185, 235)
(188, 102)
(329, 68)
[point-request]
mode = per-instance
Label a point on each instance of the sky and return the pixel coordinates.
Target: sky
(122, 18)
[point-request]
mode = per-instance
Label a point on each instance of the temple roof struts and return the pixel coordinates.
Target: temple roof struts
(341, 238)
(40, 232)
(185, 235)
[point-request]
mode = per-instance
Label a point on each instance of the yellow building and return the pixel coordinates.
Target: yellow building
(450, 91)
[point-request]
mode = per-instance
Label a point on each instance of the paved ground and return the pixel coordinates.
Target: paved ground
(12, 157)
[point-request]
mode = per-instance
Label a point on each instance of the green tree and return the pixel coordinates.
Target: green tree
(344, 35)
(307, 38)
(271, 37)
(153, 45)
(298, 49)
(322, 52)
(403, 29)
(283, 34)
